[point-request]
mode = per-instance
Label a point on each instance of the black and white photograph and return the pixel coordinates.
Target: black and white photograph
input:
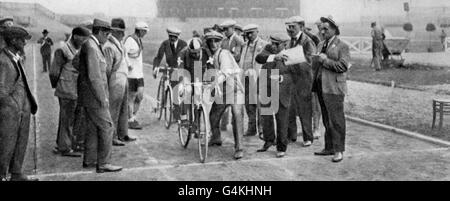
(224, 91)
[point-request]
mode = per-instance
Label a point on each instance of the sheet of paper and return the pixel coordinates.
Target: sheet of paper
(295, 55)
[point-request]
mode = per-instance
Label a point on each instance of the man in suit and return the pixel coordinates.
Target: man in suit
(233, 43)
(46, 50)
(94, 96)
(330, 68)
(377, 45)
(16, 105)
(171, 48)
(302, 97)
(64, 77)
(134, 48)
(117, 81)
(280, 116)
(251, 68)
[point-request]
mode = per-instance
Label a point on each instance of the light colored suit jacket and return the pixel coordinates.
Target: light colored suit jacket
(234, 45)
(260, 44)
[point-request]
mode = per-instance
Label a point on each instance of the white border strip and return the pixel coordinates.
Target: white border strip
(400, 131)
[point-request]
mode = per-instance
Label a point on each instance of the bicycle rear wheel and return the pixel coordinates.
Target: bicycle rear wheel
(203, 137)
(184, 131)
(160, 99)
(168, 116)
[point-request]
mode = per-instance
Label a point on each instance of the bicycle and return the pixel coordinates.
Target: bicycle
(197, 113)
(164, 101)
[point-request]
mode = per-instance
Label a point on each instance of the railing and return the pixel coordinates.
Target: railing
(447, 44)
(358, 45)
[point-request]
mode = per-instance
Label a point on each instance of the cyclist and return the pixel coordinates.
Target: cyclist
(170, 48)
(229, 94)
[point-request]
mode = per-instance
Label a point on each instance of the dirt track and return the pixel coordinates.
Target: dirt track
(372, 154)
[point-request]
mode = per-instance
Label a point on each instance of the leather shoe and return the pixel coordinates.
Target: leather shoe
(3, 179)
(307, 144)
(22, 177)
(338, 157)
(266, 147)
(238, 154)
(324, 153)
(71, 153)
(212, 143)
(134, 125)
(93, 165)
(281, 154)
(129, 139)
(108, 168)
(118, 143)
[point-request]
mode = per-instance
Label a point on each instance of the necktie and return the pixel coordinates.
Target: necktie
(325, 47)
(172, 47)
(293, 40)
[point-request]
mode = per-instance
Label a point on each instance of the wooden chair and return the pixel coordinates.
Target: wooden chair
(441, 107)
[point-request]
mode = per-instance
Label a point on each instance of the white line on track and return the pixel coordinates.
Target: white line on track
(269, 160)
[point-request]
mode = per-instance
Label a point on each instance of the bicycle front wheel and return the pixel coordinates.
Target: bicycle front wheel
(203, 137)
(160, 99)
(184, 131)
(168, 116)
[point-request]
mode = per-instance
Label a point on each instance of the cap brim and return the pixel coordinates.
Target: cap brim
(117, 29)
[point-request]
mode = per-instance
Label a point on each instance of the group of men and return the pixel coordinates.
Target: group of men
(238, 60)
(98, 79)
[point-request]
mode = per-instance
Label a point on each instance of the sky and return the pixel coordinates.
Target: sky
(109, 7)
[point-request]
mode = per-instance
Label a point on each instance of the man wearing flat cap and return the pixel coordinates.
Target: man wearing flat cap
(94, 96)
(302, 97)
(171, 48)
(46, 50)
(117, 81)
(251, 48)
(134, 49)
(64, 77)
(275, 126)
(330, 84)
(16, 105)
(233, 43)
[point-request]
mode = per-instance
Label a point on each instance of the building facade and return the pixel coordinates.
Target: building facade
(228, 8)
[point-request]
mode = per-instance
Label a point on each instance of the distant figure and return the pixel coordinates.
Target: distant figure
(46, 50)
(195, 34)
(377, 45)
(443, 36)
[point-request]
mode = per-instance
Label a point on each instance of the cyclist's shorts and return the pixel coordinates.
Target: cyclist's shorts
(134, 84)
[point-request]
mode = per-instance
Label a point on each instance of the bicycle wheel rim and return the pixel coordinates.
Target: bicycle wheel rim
(168, 110)
(159, 100)
(202, 138)
(183, 133)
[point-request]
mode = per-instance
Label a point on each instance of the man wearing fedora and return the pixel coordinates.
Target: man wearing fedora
(117, 81)
(46, 50)
(64, 77)
(94, 96)
(134, 48)
(16, 105)
(171, 48)
(302, 94)
(251, 48)
(330, 84)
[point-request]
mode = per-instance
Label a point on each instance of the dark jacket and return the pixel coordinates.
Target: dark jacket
(46, 48)
(10, 96)
(286, 86)
(92, 80)
(171, 57)
(302, 73)
(334, 68)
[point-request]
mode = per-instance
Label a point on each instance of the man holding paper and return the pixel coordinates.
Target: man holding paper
(298, 59)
